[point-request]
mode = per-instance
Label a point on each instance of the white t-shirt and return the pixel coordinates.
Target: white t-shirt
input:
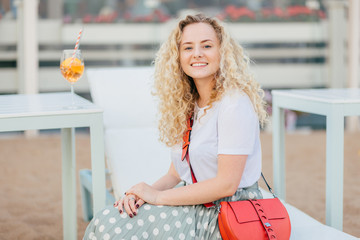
(231, 126)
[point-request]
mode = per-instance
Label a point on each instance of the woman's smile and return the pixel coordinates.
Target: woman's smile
(199, 64)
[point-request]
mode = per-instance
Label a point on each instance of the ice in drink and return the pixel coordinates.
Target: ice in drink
(72, 69)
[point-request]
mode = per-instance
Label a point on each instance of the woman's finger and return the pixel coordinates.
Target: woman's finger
(128, 201)
(120, 204)
(116, 203)
(139, 203)
(132, 201)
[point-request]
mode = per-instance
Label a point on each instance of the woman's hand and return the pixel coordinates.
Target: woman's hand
(144, 191)
(140, 193)
(130, 203)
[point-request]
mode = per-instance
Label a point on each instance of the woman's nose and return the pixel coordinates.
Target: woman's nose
(198, 52)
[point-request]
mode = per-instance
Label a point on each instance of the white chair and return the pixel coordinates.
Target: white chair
(133, 152)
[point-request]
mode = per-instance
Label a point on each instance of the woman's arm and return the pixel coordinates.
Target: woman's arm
(230, 168)
(169, 180)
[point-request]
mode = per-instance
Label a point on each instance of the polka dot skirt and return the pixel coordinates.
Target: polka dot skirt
(162, 222)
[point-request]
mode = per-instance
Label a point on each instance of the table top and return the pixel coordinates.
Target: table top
(338, 95)
(25, 105)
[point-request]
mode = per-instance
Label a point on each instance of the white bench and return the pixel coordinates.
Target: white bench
(133, 152)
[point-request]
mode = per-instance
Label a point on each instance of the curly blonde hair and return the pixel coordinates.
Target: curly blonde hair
(177, 91)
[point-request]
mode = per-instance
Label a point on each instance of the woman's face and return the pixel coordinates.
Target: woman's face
(200, 51)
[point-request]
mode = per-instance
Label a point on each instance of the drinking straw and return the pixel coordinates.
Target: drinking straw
(76, 45)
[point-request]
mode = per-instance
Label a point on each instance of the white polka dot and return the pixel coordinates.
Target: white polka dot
(101, 228)
(129, 226)
(199, 226)
(106, 211)
(192, 233)
(181, 236)
(112, 220)
(189, 220)
(218, 234)
(178, 224)
(93, 238)
(117, 230)
(201, 213)
(145, 235)
(134, 238)
(160, 206)
(96, 222)
(140, 222)
(156, 231)
(106, 236)
(208, 213)
(186, 209)
(212, 229)
(123, 215)
(251, 195)
(147, 207)
(91, 235)
(166, 227)
(233, 198)
(206, 225)
(151, 218)
(170, 238)
(175, 213)
(163, 215)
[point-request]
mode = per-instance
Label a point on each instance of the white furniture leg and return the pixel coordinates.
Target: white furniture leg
(98, 167)
(69, 183)
(334, 167)
(278, 150)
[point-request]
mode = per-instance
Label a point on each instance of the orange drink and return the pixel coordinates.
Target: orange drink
(72, 69)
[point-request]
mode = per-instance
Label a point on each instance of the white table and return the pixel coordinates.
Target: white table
(335, 104)
(46, 111)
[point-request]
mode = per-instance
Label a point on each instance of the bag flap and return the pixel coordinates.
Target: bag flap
(245, 212)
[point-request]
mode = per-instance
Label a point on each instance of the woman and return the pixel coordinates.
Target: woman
(200, 71)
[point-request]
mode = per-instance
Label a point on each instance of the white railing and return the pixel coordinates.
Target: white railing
(125, 43)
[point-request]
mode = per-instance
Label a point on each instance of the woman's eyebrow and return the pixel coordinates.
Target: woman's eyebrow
(205, 40)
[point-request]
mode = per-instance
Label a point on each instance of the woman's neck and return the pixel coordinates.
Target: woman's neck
(204, 89)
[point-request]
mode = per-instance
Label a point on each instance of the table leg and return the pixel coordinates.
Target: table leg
(69, 183)
(98, 164)
(334, 168)
(278, 121)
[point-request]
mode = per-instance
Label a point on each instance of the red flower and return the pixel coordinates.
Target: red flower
(269, 12)
(298, 10)
(87, 18)
(278, 12)
(236, 13)
(321, 14)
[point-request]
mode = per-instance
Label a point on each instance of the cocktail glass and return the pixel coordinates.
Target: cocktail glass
(72, 68)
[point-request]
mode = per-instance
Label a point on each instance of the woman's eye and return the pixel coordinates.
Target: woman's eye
(207, 46)
(188, 48)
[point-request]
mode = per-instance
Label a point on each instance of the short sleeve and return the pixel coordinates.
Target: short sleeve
(238, 125)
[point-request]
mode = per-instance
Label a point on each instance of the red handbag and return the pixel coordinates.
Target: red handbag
(253, 219)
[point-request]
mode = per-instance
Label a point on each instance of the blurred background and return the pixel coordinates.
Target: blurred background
(292, 43)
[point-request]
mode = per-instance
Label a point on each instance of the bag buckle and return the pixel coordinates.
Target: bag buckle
(267, 224)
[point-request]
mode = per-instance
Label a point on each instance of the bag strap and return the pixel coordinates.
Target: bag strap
(264, 219)
(185, 155)
(268, 186)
